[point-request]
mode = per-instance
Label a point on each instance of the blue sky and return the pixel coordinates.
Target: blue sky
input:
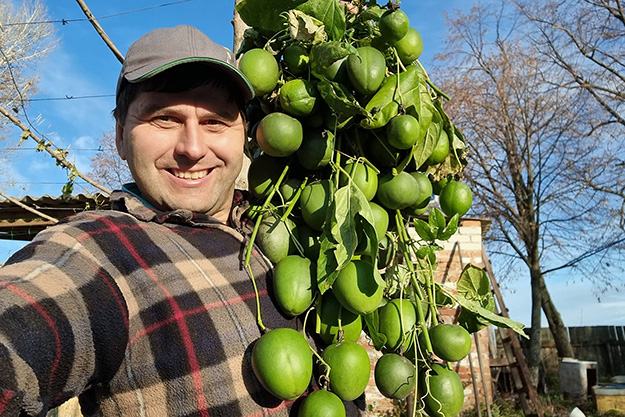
(82, 65)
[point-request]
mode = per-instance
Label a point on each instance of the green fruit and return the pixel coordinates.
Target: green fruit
(261, 70)
(362, 175)
(397, 191)
(308, 240)
(349, 369)
(316, 150)
(393, 25)
(279, 134)
(263, 174)
(289, 188)
(445, 395)
(357, 287)
(321, 403)
(456, 198)
(380, 220)
(314, 202)
(403, 131)
(441, 150)
(381, 153)
(424, 195)
(298, 97)
(337, 71)
(410, 47)
(296, 59)
(398, 331)
(394, 376)
(282, 362)
(294, 284)
(330, 312)
(274, 238)
(450, 342)
(366, 69)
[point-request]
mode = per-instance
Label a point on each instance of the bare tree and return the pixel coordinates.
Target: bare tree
(584, 42)
(527, 136)
(23, 41)
(110, 170)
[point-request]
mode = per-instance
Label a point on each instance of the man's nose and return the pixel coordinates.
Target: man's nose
(192, 142)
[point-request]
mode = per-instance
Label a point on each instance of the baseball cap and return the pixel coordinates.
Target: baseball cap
(164, 48)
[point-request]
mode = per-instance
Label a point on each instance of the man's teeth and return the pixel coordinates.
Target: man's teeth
(190, 175)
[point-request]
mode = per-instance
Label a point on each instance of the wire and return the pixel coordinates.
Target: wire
(84, 19)
(69, 98)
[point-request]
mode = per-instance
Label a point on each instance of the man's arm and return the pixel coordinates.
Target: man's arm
(63, 325)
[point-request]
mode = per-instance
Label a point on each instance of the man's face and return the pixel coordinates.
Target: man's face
(184, 150)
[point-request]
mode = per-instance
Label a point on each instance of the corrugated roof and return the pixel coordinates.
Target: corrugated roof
(19, 223)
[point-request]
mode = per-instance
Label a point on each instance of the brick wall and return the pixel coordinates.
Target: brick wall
(463, 248)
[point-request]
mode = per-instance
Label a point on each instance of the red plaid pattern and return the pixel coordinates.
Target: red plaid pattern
(138, 312)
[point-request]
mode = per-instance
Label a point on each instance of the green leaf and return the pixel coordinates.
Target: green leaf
(348, 212)
(474, 295)
(305, 28)
(450, 229)
(266, 14)
(436, 219)
(326, 54)
(339, 98)
(385, 103)
(371, 320)
(424, 230)
(330, 13)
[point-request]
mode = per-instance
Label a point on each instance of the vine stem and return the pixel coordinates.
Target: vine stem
(403, 239)
(250, 245)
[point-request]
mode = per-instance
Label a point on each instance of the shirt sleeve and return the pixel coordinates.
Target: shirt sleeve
(63, 325)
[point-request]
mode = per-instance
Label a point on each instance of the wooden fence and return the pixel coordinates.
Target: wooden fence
(602, 344)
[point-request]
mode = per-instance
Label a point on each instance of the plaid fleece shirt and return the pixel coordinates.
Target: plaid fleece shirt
(140, 313)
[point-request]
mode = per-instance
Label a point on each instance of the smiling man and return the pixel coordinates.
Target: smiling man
(147, 309)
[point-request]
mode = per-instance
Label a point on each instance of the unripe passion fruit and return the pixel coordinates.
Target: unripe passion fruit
(397, 318)
(282, 362)
(349, 369)
(450, 342)
(261, 70)
(274, 238)
(366, 69)
(357, 287)
(296, 59)
(394, 376)
(397, 191)
(294, 284)
(321, 403)
(456, 198)
(316, 149)
(298, 97)
(403, 131)
(445, 395)
(440, 151)
(393, 25)
(263, 175)
(410, 47)
(279, 134)
(314, 202)
(363, 176)
(331, 311)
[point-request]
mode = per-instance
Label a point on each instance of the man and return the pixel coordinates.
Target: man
(147, 309)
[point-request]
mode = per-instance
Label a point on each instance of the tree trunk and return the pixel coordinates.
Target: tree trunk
(533, 352)
(556, 325)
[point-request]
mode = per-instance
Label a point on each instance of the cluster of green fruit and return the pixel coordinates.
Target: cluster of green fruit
(349, 146)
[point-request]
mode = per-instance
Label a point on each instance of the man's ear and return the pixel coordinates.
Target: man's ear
(119, 140)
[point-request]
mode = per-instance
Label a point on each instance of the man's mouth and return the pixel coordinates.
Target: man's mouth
(189, 175)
